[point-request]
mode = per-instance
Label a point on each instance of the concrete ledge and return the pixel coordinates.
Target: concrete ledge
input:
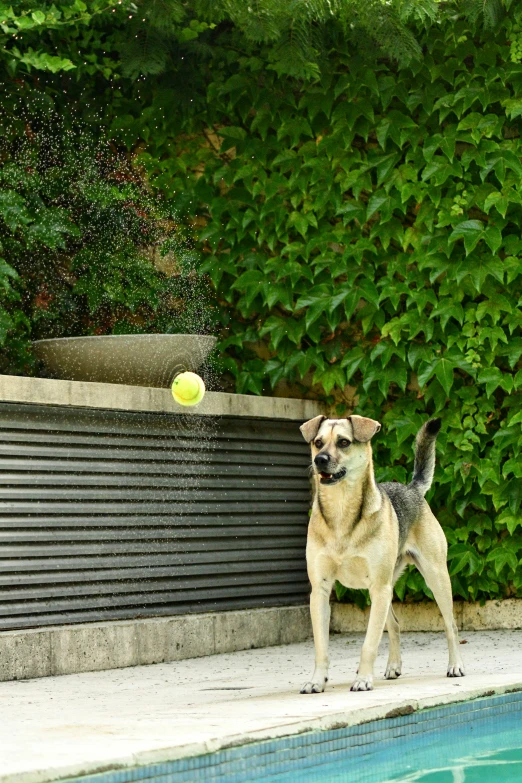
(72, 649)
(493, 616)
(111, 396)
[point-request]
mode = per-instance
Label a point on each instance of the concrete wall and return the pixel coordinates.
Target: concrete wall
(69, 649)
(493, 616)
(95, 646)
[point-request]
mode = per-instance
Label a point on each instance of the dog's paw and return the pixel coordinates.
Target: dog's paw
(362, 684)
(456, 670)
(313, 687)
(393, 670)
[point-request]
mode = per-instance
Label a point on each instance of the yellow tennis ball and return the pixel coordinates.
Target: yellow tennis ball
(188, 388)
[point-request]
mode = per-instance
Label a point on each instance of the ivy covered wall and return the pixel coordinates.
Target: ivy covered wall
(359, 231)
(363, 235)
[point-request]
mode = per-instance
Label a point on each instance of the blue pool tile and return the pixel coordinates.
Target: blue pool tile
(352, 754)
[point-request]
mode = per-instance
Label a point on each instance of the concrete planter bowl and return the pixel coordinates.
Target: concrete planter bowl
(130, 359)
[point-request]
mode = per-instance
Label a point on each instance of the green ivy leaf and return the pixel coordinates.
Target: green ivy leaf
(512, 521)
(444, 373)
(300, 222)
(463, 557)
(512, 492)
(471, 231)
(501, 557)
(376, 202)
(492, 377)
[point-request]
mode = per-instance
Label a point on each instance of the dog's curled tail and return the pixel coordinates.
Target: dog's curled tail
(424, 466)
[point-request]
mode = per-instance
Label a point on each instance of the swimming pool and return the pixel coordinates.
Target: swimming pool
(468, 742)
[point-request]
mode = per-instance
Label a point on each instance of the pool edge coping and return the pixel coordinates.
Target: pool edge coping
(338, 720)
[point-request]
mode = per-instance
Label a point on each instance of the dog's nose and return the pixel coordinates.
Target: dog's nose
(322, 460)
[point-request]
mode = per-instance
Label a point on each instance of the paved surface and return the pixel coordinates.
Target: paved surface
(60, 726)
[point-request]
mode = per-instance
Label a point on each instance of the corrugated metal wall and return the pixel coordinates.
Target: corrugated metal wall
(121, 515)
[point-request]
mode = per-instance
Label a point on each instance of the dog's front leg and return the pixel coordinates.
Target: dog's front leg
(394, 665)
(320, 612)
(381, 601)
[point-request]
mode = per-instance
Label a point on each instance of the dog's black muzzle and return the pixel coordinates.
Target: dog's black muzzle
(322, 462)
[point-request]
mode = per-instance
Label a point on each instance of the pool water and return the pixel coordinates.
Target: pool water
(484, 746)
(477, 741)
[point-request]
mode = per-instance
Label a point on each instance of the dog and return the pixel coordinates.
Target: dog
(364, 534)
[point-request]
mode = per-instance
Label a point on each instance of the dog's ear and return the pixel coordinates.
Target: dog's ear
(310, 428)
(363, 429)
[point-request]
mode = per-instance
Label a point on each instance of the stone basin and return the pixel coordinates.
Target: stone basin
(131, 359)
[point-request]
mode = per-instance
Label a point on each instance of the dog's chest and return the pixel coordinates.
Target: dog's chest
(350, 565)
(354, 573)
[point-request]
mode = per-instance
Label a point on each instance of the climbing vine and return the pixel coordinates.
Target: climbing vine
(363, 235)
(359, 222)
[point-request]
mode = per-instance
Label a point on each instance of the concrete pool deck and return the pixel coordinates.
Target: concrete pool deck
(66, 726)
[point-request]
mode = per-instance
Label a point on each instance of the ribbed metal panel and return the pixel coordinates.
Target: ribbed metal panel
(107, 515)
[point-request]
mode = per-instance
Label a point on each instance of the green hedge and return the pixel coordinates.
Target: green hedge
(363, 233)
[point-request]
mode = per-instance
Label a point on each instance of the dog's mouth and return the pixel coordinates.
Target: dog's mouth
(332, 478)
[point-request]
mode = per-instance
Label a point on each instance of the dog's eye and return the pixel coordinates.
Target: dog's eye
(318, 444)
(343, 443)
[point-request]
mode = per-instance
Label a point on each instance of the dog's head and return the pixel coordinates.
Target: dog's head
(340, 447)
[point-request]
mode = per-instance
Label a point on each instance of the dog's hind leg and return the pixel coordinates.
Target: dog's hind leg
(394, 665)
(430, 559)
(437, 579)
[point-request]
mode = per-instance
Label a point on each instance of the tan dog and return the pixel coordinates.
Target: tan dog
(364, 534)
